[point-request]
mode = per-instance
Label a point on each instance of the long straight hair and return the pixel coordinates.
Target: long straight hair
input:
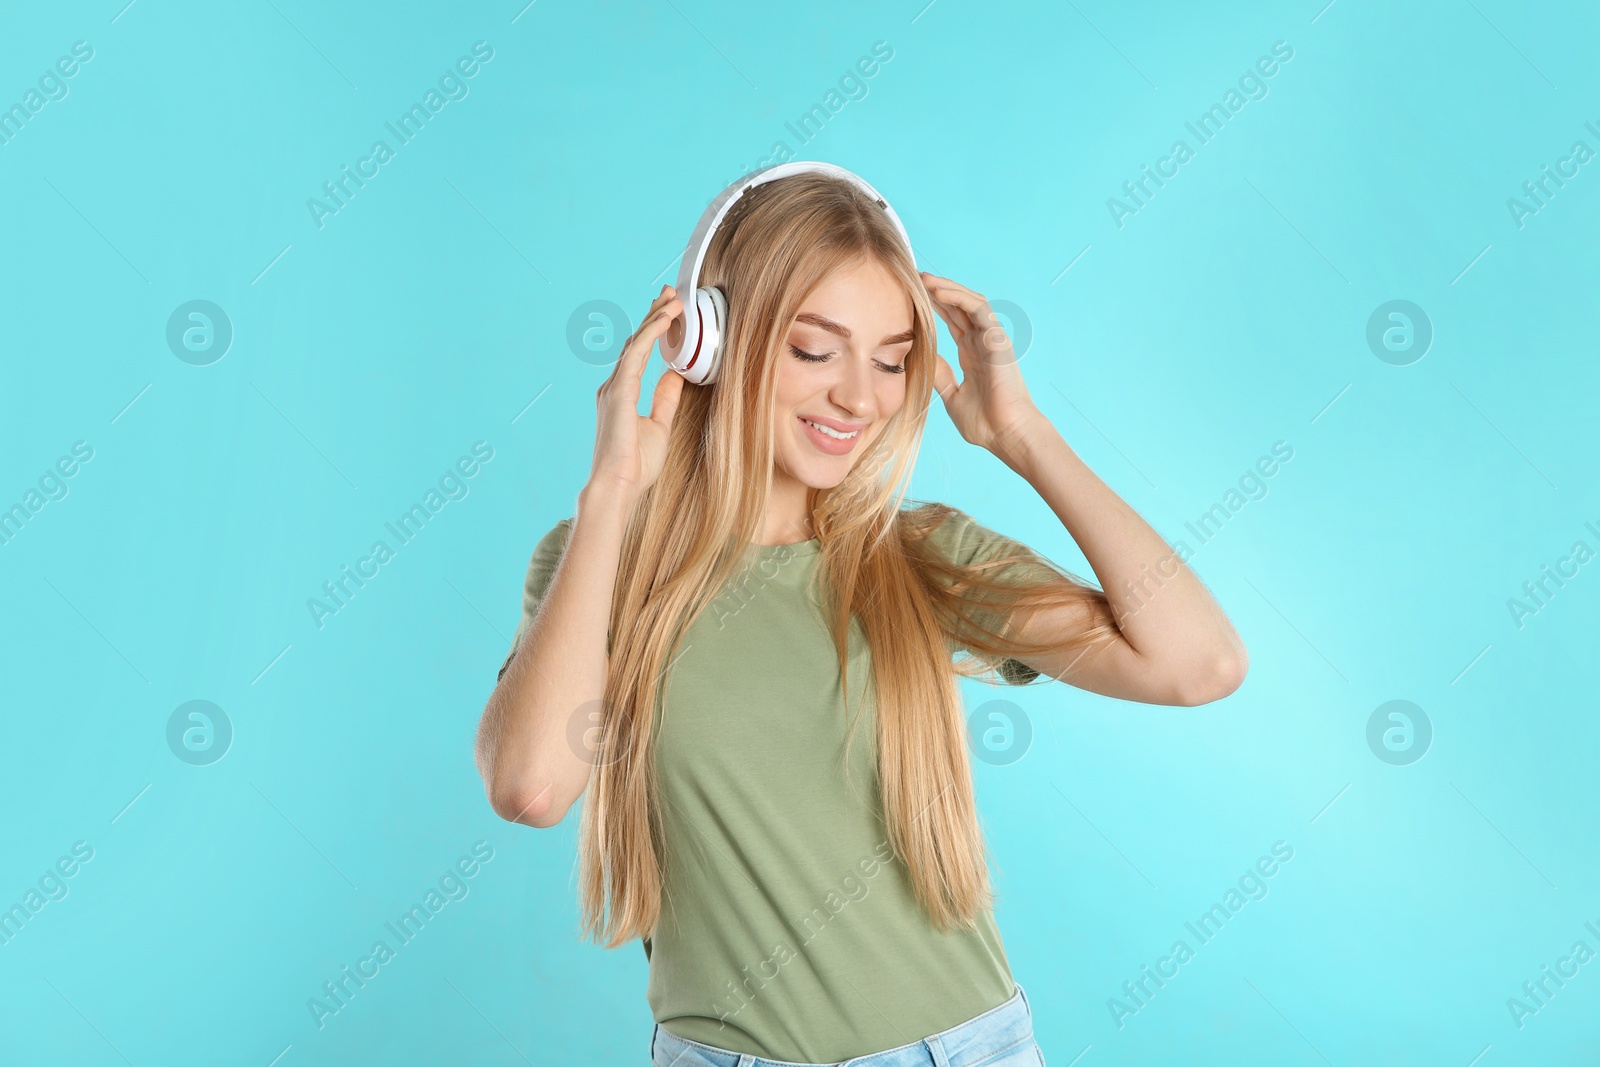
(687, 537)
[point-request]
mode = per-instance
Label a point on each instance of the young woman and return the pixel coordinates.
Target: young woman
(739, 652)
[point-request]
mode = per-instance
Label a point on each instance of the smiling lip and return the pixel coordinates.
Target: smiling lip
(831, 445)
(835, 424)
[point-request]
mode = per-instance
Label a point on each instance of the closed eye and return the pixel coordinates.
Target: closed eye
(812, 357)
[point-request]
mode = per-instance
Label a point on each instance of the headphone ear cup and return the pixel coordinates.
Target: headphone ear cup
(713, 309)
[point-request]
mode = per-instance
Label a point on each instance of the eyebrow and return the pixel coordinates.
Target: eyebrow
(844, 331)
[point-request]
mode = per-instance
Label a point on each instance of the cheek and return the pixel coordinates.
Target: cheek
(891, 395)
(795, 386)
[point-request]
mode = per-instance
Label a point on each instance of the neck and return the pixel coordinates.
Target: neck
(787, 519)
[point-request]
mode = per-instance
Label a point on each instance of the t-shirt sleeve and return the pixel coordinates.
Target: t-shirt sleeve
(963, 539)
(541, 568)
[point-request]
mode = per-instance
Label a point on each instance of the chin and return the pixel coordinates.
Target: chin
(823, 475)
(818, 470)
(828, 479)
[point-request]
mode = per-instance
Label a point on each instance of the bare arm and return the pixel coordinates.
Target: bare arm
(1173, 644)
(531, 748)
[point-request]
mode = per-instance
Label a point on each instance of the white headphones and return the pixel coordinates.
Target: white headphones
(693, 344)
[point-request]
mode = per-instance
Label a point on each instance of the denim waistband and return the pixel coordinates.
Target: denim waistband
(975, 1041)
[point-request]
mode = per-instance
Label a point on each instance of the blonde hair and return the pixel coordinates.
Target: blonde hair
(687, 536)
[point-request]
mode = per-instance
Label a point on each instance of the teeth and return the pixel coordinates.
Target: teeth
(830, 431)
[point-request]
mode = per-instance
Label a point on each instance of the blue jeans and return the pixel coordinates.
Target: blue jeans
(1000, 1037)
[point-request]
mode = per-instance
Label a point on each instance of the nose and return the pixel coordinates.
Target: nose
(852, 390)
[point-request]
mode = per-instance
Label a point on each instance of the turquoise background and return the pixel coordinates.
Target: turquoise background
(432, 311)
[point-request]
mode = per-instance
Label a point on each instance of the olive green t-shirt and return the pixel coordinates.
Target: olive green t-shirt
(788, 928)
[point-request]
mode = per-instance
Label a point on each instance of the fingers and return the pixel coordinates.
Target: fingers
(953, 300)
(948, 287)
(958, 329)
(954, 293)
(663, 309)
(664, 403)
(629, 370)
(944, 378)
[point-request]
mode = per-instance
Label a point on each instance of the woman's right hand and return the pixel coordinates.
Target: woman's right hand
(629, 448)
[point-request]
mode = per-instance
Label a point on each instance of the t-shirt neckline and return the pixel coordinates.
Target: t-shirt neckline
(798, 548)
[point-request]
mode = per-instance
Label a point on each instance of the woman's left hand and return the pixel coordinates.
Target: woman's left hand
(990, 406)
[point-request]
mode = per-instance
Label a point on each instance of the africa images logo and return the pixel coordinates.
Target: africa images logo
(452, 85)
(453, 485)
(452, 886)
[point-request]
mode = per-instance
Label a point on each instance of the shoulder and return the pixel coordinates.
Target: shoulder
(546, 554)
(551, 545)
(541, 569)
(955, 534)
(558, 534)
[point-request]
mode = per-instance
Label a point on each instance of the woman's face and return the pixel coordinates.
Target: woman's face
(858, 323)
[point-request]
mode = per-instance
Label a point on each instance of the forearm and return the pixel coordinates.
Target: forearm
(533, 749)
(1161, 607)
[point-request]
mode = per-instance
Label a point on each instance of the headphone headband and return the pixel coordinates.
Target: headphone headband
(692, 346)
